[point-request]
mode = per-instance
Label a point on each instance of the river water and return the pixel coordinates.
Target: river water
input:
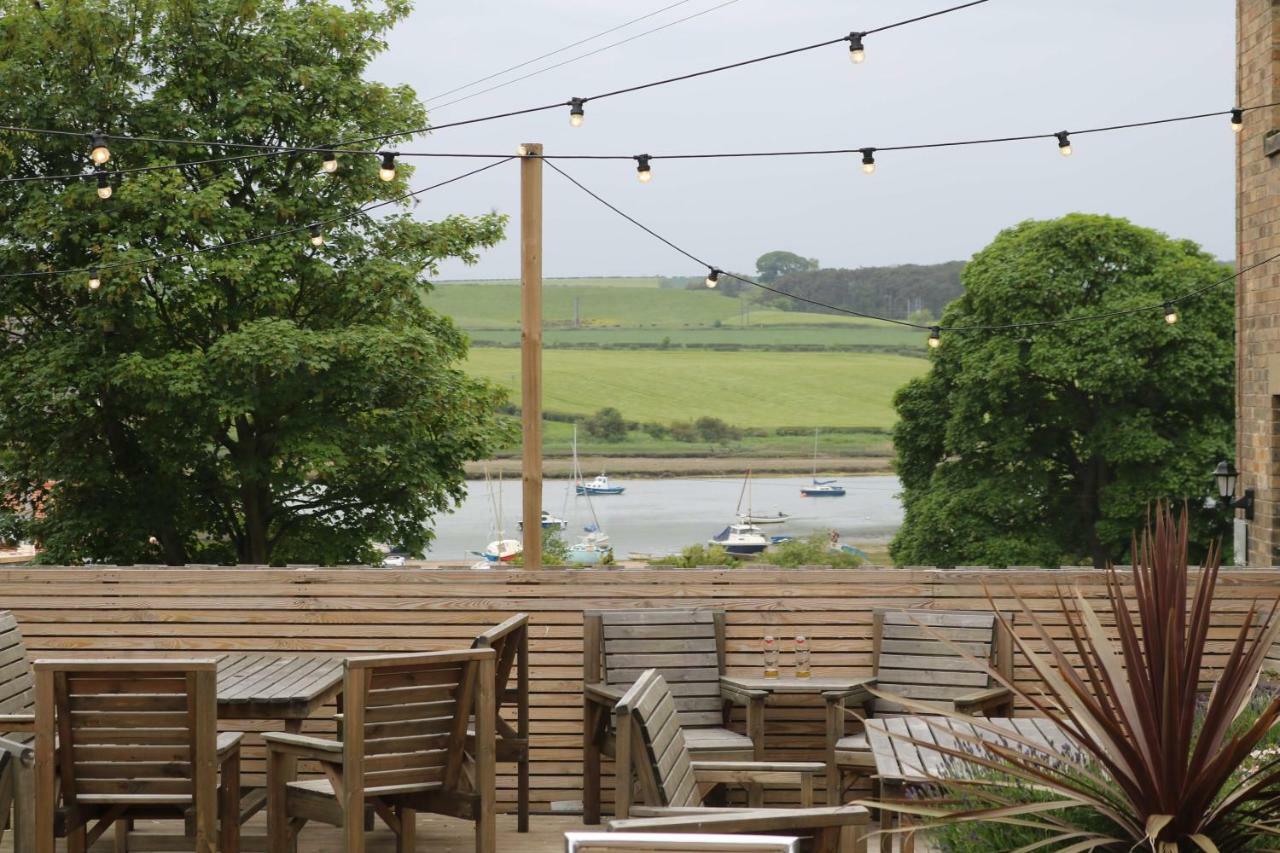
(662, 516)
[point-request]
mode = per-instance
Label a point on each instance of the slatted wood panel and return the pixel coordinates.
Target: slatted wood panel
(144, 611)
(914, 662)
(16, 689)
(665, 750)
(679, 643)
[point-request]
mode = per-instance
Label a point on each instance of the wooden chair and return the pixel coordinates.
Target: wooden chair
(909, 661)
(651, 745)
(630, 842)
(687, 647)
(403, 750)
(510, 643)
(17, 730)
(132, 739)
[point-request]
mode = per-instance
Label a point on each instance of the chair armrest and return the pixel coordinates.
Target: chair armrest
(755, 772)
(857, 691)
(741, 695)
(743, 820)
(983, 700)
(603, 694)
(228, 743)
(304, 746)
(17, 722)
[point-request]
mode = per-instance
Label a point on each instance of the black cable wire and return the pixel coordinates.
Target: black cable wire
(416, 131)
(923, 327)
(342, 217)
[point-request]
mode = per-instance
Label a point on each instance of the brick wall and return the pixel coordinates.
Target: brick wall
(1258, 292)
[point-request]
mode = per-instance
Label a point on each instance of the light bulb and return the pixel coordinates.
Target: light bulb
(330, 164)
(388, 169)
(317, 237)
(95, 279)
(857, 54)
(869, 160)
(98, 150)
(576, 113)
(642, 168)
(713, 277)
(935, 337)
(1064, 143)
(1237, 119)
(1170, 313)
(104, 186)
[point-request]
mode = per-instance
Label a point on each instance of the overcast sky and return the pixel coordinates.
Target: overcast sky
(1006, 67)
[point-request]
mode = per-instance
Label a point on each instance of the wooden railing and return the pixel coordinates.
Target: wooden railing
(139, 611)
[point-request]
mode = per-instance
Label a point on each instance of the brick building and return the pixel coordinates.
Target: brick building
(1258, 291)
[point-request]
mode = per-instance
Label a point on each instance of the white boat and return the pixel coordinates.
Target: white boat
(741, 539)
(549, 522)
(502, 550)
(820, 488)
(599, 486)
(780, 518)
(750, 516)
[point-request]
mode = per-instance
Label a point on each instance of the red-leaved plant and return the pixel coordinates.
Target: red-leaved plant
(1158, 766)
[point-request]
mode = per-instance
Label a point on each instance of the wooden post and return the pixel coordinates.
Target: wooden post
(531, 348)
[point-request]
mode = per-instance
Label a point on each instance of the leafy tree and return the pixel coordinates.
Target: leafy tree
(716, 431)
(607, 425)
(895, 291)
(1047, 445)
(269, 401)
(772, 266)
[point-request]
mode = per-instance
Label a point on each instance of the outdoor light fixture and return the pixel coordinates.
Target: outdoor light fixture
(868, 160)
(317, 238)
(857, 55)
(330, 164)
(388, 169)
(935, 337)
(1226, 476)
(1170, 313)
(1064, 143)
(95, 279)
(576, 114)
(642, 168)
(713, 277)
(98, 149)
(1237, 119)
(104, 187)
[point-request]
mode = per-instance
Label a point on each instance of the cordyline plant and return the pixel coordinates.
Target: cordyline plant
(1151, 764)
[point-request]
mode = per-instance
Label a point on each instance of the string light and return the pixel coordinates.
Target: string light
(1237, 119)
(713, 277)
(330, 164)
(317, 236)
(95, 279)
(98, 150)
(1064, 143)
(387, 171)
(1170, 313)
(642, 168)
(935, 337)
(577, 115)
(104, 185)
(857, 54)
(868, 160)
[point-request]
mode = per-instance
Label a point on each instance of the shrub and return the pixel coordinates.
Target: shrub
(606, 425)
(699, 555)
(814, 550)
(656, 430)
(684, 431)
(716, 431)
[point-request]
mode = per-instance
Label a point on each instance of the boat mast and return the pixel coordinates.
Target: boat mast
(815, 454)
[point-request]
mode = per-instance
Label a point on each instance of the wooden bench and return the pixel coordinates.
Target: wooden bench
(17, 730)
(688, 648)
(510, 643)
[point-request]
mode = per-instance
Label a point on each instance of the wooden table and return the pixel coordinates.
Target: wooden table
(756, 692)
(901, 764)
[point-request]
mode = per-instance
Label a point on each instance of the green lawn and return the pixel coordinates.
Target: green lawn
(589, 281)
(746, 388)
(837, 335)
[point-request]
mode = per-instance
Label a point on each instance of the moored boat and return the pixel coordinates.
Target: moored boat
(822, 489)
(779, 518)
(502, 550)
(740, 539)
(549, 522)
(599, 486)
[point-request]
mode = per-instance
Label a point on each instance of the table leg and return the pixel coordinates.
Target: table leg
(755, 725)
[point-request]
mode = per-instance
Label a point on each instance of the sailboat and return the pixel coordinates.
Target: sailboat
(750, 516)
(599, 486)
(501, 550)
(820, 488)
(593, 548)
(744, 537)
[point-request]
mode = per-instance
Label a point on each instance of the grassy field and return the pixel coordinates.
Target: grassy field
(748, 389)
(843, 335)
(557, 440)
(591, 281)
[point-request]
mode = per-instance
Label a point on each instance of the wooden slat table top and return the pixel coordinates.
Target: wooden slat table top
(272, 686)
(791, 684)
(900, 762)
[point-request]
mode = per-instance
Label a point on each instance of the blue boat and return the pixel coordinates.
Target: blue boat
(599, 486)
(822, 489)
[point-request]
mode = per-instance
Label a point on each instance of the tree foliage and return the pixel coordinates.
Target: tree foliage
(894, 291)
(1047, 445)
(772, 266)
(266, 402)
(607, 424)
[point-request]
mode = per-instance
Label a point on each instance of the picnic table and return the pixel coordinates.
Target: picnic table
(749, 685)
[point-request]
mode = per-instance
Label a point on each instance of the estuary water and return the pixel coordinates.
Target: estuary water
(655, 517)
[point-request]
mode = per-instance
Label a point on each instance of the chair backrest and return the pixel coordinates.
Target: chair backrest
(406, 718)
(17, 691)
(509, 640)
(659, 752)
(129, 732)
(914, 662)
(686, 646)
(617, 842)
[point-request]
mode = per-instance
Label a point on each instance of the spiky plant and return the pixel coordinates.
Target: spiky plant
(1156, 766)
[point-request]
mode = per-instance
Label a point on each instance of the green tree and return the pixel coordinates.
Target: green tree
(1047, 445)
(772, 266)
(606, 425)
(271, 401)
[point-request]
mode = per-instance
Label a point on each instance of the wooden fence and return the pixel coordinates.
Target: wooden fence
(139, 611)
